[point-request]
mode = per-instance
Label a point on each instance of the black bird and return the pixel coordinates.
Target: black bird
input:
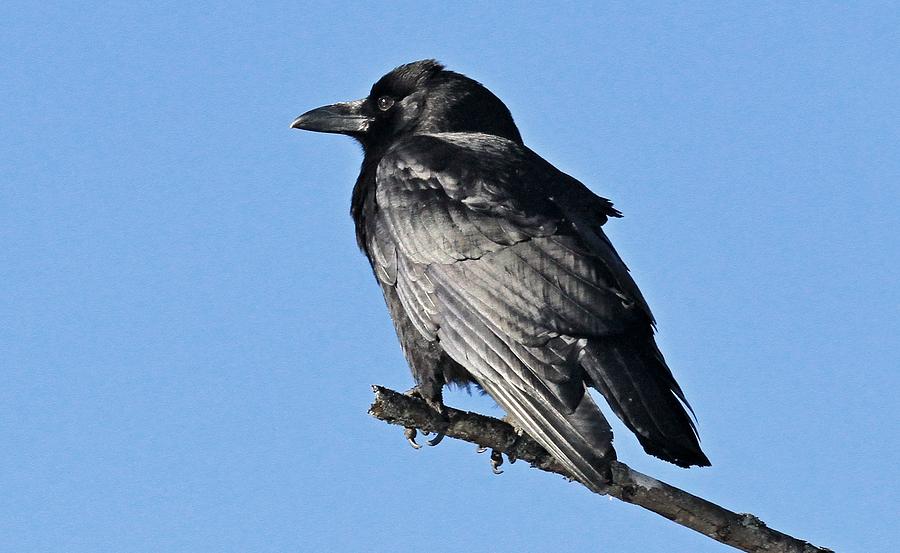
(496, 271)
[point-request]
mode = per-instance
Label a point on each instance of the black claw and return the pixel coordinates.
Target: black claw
(496, 461)
(441, 410)
(410, 434)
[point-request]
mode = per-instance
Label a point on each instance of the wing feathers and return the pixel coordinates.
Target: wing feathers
(579, 438)
(500, 259)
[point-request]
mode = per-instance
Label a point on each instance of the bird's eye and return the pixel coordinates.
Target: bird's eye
(385, 103)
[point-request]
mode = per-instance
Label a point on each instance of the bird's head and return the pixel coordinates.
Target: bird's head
(419, 97)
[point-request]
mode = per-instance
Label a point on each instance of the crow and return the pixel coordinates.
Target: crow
(496, 272)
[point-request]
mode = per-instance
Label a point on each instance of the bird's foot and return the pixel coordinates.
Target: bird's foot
(441, 410)
(410, 434)
(438, 406)
(497, 455)
(496, 461)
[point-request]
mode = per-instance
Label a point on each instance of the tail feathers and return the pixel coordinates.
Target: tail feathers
(632, 375)
(581, 441)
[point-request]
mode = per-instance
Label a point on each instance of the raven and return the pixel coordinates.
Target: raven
(496, 271)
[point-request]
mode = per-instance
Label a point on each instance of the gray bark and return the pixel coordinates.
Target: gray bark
(740, 530)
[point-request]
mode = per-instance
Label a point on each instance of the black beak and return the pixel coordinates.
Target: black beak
(342, 118)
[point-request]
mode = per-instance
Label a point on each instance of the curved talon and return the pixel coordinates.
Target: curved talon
(410, 434)
(481, 449)
(496, 461)
(436, 440)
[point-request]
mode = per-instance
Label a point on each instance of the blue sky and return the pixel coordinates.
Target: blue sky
(188, 333)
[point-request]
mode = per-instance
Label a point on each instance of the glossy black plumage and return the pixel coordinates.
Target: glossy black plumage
(496, 270)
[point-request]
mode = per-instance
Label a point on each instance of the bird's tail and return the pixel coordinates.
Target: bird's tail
(632, 375)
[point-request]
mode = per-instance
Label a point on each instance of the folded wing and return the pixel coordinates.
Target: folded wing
(500, 259)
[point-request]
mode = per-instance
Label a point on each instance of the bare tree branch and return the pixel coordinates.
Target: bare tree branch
(742, 531)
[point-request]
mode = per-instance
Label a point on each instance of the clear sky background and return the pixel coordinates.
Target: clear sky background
(188, 332)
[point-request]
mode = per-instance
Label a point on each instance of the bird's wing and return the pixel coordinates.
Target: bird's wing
(500, 258)
(446, 202)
